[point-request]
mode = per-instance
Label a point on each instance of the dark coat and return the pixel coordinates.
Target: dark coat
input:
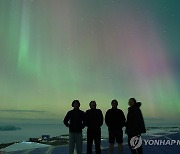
(74, 119)
(93, 119)
(115, 119)
(135, 122)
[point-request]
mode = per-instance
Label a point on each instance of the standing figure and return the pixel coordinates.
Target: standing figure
(93, 121)
(115, 120)
(135, 126)
(74, 120)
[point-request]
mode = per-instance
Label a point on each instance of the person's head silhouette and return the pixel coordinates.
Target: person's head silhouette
(114, 103)
(92, 105)
(76, 104)
(132, 101)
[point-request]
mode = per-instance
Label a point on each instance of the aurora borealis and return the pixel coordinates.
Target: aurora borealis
(55, 51)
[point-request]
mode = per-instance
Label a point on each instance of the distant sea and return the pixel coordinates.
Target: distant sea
(37, 130)
(27, 131)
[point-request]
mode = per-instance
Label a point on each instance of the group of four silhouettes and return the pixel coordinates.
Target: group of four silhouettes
(115, 120)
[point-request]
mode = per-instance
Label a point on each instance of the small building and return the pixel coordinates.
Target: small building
(45, 137)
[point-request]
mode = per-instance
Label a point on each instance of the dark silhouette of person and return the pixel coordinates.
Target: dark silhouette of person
(135, 124)
(74, 119)
(115, 120)
(93, 121)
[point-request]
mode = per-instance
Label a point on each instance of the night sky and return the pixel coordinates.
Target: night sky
(55, 51)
